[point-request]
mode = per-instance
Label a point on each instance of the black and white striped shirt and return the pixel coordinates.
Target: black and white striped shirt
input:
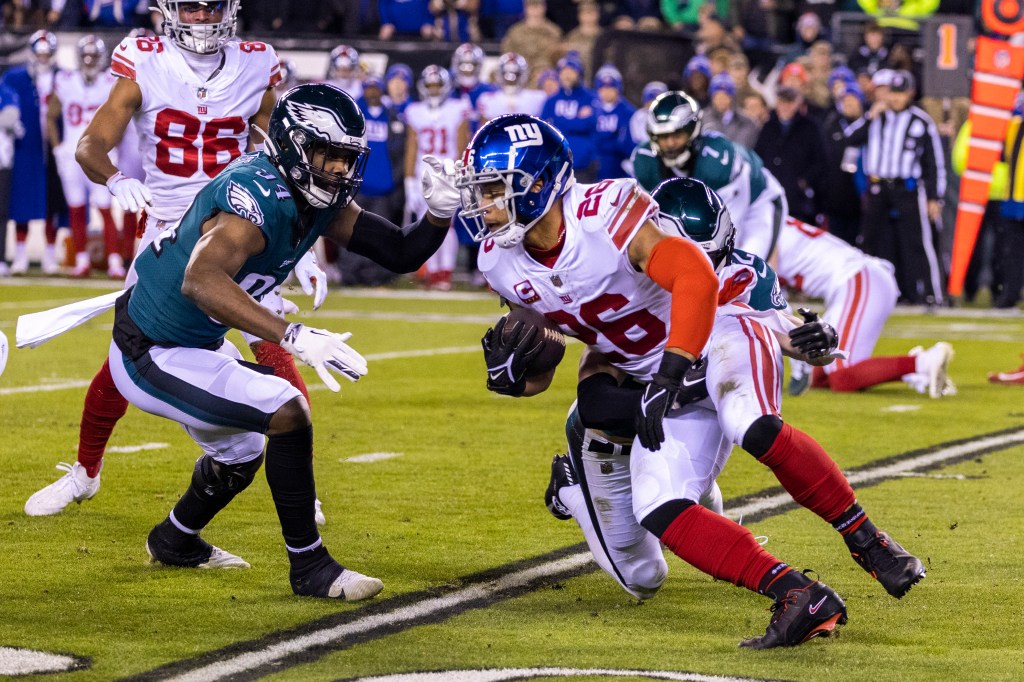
(902, 145)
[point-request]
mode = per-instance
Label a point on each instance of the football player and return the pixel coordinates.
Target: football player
(859, 292)
(70, 107)
(513, 97)
(678, 148)
(344, 70)
(467, 61)
(438, 126)
(240, 237)
(591, 258)
(192, 95)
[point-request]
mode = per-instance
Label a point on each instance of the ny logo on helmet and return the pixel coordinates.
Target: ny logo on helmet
(524, 135)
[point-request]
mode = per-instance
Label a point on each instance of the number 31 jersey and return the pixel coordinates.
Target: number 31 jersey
(190, 128)
(591, 290)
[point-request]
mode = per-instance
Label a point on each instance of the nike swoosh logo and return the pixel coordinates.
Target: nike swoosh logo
(687, 382)
(814, 609)
(264, 192)
(494, 375)
(645, 403)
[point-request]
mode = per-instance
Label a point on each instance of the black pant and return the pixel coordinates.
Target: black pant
(895, 226)
(1009, 261)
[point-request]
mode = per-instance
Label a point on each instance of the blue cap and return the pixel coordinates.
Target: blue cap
(700, 63)
(546, 75)
(400, 70)
(841, 73)
(608, 77)
(722, 83)
(851, 88)
(571, 61)
(373, 81)
(652, 90)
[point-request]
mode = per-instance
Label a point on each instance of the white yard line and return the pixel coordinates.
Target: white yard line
(370, 457)
(242, 663)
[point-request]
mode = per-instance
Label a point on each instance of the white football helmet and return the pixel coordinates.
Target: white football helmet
(199, 38)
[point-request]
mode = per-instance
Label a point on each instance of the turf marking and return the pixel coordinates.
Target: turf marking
(502, 674)
(44, 388)
(15, 661)
(371, 457)
(309, 642)
(139, 448)
(901, 408)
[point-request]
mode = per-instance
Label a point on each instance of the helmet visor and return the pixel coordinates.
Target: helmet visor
(335, 170)
(486, 189)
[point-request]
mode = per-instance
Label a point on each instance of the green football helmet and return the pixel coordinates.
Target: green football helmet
(693, 210)
(673, 112)
(312, 126)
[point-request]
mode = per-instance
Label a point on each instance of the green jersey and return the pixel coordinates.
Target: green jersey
(250, 187)
(715, 160)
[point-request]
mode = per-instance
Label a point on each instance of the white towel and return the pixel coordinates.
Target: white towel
(35, 329)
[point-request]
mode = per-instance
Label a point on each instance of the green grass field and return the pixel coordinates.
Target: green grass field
(478, 575)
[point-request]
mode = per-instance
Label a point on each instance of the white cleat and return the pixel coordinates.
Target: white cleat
(218, 559)
(20, 264)
(353, 586)
(321, 520)
(49, 264)
(115, 266)
(933, 363)
(74, 486)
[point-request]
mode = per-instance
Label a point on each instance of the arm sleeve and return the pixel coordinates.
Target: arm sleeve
(680, 267)
(397, 249)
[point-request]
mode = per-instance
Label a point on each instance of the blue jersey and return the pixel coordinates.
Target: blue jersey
(572, 112)
(613, 140)
(252, 188)
(28, 175)
(378, 178)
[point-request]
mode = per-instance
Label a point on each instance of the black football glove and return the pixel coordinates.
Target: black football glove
(814, 337)
(657, 398)
(508, 355)
(695, 385)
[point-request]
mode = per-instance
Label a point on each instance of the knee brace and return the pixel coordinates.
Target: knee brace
(658, 521)
(217, 481)
(761, 435)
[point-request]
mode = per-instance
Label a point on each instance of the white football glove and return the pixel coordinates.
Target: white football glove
(311, 278)
(323, 350)
(438, 181)
(131, 194)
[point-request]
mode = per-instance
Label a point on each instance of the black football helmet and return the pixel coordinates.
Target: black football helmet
(311, 126)
(693, 210)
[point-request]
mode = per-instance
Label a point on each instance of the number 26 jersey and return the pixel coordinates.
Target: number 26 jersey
(591, 290)
(191, 128)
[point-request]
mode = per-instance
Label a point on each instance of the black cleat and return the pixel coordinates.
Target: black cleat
(168, 545)
(562, 475)
(328, 579)
(803, 614)
(885, 559)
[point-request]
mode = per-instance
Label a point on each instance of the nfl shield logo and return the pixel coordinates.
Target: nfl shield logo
(201, 94)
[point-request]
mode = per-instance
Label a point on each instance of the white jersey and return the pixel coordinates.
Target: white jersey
(437, 129)
(591, 290)
(815, 262)
(493, 104)
(79, 100)
(190, 128)
(351, 86)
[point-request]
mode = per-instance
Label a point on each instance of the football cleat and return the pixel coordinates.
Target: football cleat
(802, 614)
(885, 560)
(1014, 377)
(933, 363)
(562, 476)
(329, 579)
(172, 547)
(319, 513)
(74, 486)
(799, 378)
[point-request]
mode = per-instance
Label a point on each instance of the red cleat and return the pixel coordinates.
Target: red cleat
(1014, 377)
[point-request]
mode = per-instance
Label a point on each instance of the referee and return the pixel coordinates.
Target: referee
(906, 171)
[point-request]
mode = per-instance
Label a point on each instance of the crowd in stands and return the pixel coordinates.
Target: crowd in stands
(767, 74)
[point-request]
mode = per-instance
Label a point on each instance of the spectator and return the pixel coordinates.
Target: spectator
(582, 38)
(839, 81)
(697, 78)
(548, 82)
(714, 34)
(456, 20)
(10, 130)
(795, 77)
(405, 18)
(571, 110)
(755, 107)
(613, 140)
(638, 122)
(819, 68)
(845, 176)
(792, 148)
(760, 28)
(534, 37)
(687, 14)
(808, 32)
(722, 116)
(739, 71)
(398, 82)
(872, 53)
(905, 166)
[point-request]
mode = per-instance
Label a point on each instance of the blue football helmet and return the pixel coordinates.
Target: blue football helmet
(518, 151)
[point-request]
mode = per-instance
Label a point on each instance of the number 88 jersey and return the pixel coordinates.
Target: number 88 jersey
(190, 128)
(590, 289)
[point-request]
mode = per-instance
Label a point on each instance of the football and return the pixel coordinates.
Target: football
(548, 334)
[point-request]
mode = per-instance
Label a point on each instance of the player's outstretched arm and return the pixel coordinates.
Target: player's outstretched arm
(399, 249)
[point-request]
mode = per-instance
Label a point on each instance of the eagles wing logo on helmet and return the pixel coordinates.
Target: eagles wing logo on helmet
(323, 121)
(244, 204)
